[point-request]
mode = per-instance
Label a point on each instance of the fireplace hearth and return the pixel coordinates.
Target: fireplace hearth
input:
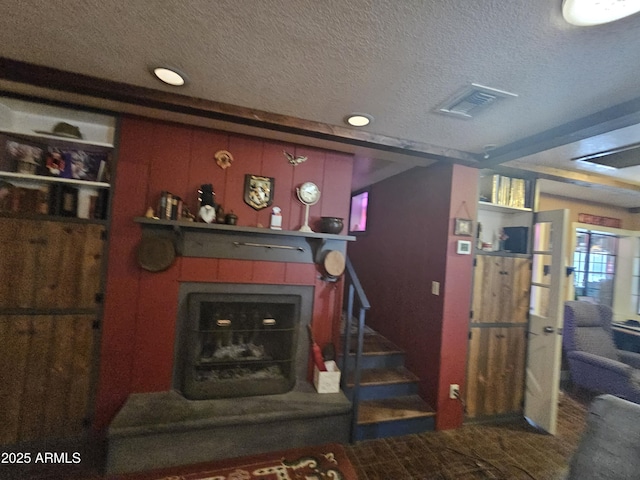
(240, 383)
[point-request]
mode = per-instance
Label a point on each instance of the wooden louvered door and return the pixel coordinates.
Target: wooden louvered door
(50, 283)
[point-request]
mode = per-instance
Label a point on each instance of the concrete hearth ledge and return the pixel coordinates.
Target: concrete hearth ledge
(154, 430)
(146, 413)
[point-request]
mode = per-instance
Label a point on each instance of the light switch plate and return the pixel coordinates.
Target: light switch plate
(435, 288)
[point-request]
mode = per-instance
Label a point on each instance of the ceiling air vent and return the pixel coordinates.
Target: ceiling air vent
(622, 157)
(473, 99)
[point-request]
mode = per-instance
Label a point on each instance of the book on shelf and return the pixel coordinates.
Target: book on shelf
(100, 205)
(68, 201)
(505, 191)
(25, 200)
(170, 206)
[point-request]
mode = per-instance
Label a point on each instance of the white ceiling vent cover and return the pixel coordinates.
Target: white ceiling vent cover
(471, 100)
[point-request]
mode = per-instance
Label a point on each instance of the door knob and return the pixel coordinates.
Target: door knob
(548, 329)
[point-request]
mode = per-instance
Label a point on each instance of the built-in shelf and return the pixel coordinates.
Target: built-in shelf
(52, 218)
(502, 253)
(47, 138)
(502, 208)
(44, 178)
(36, 121)
(223, 228)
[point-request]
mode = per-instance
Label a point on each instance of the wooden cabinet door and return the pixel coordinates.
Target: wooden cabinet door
(49, 265)
(495, 371)
(45, 370)
(501, 289)
(496, 359)
(51, 273)
(516, 290)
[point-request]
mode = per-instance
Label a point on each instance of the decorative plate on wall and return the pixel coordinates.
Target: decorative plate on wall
(156, 253)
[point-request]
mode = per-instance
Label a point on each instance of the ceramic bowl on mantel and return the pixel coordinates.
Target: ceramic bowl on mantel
(331, 225)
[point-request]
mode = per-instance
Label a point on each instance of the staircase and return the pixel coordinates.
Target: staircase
(389, 404)
(383, 392)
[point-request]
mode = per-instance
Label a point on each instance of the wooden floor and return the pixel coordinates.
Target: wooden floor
(398, 408)
(374, 344)
(384, 376)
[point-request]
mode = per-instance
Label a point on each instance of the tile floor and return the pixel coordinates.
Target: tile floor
(508, 451)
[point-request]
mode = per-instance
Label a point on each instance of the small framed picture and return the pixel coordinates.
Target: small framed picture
(464, 227)
(464, 247)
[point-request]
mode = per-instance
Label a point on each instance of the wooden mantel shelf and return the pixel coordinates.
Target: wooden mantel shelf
(222, 228)
(194, 239)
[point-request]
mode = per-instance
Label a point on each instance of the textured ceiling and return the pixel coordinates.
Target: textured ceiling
(320, 60)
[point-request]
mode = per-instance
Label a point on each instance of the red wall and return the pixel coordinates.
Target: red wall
(409, 244)
(141, 307)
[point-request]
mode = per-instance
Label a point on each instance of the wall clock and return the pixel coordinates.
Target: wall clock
(308, 194)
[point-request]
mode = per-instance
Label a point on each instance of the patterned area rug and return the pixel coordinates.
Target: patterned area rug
(326, 462)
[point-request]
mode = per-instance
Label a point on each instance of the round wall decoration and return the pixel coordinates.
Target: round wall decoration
(223, 158)
(334, 263)
(156, 253)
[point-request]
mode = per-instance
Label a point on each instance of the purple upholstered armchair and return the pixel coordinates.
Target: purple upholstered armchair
(594, 362)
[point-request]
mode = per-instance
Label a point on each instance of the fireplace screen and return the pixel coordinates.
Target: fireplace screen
(240, 345)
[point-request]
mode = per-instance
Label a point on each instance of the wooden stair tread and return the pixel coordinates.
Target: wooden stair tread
(374, 344)
(383, 376)
(390, 409)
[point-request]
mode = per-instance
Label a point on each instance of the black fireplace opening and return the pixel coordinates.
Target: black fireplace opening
(240, 343)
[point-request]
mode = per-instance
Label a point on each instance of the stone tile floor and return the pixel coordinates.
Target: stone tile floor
(509, 451)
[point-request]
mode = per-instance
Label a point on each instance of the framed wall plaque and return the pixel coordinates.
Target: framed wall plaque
(463, 227)
(258, 191)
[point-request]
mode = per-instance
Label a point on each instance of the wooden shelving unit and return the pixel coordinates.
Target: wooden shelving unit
(51, 293)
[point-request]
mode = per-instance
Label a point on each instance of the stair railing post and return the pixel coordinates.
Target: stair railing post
(356, 374)
(347, 334)
(355, 293)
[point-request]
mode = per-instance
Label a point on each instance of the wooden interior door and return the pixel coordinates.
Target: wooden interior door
(544, 349)
(51, 274)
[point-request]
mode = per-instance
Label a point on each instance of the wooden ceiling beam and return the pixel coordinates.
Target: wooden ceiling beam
(612, 118)
(77, 84)
(585, 179)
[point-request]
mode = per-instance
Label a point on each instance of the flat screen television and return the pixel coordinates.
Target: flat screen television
(358, 213)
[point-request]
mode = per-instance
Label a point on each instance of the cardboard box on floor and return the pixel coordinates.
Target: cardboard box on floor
(329, 381)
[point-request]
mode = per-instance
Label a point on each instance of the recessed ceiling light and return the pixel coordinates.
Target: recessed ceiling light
(595, 12)
(169, 76)
(359, 119)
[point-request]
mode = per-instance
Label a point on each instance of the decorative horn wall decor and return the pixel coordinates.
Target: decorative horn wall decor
(293, 160)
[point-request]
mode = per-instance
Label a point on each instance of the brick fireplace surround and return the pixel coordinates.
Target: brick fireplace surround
(138, 338)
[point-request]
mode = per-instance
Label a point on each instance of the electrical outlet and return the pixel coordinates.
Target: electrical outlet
(435, 288)
(454, 391)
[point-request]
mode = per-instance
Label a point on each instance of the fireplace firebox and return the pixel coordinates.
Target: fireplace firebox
(242, 340)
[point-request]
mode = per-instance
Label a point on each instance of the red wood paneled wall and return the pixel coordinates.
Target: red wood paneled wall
(410, 236)
(140, 309)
